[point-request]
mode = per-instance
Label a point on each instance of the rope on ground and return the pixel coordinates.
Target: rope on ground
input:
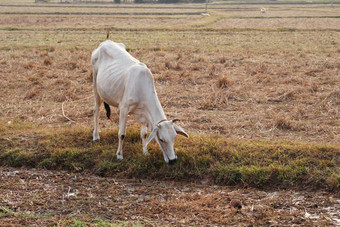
(63, 111)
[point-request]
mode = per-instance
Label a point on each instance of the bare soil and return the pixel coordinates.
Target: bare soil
(40, 197)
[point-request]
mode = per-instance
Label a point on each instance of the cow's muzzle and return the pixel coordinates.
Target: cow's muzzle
(173, 161)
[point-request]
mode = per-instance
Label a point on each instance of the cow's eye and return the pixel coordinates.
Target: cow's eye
(161, 140)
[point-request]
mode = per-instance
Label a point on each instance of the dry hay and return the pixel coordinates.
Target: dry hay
(237, 83)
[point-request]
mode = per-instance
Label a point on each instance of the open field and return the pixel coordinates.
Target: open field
(285, 71)
(258, 93)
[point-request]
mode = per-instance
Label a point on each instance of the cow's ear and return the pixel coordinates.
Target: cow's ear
(180, 131)
(152, 135)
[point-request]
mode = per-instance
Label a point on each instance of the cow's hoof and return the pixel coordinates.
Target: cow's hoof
(172, 162)
(119, 158)
(96, 141)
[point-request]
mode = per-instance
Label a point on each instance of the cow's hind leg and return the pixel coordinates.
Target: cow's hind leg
(121, 133)
(143, 135)
(97, 103)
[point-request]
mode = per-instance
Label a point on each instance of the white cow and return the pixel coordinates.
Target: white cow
(122, 81)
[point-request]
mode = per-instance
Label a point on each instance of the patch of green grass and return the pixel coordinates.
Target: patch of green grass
(18, 158)
(12, 29)
(257, 163)
(17, 124)
(77, 223)
(102, 223)
(333, 181)
(5, 210)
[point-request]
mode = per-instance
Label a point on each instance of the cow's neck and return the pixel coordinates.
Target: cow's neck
(154, 113)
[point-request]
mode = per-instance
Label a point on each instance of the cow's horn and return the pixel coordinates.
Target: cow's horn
(174, 120)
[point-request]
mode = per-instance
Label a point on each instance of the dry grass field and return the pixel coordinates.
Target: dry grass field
(268, 78)
(271, 76)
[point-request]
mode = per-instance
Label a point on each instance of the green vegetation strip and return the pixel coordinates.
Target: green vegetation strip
(256, 163)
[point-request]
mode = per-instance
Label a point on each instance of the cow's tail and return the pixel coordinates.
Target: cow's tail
(107, 33)
(108, 111)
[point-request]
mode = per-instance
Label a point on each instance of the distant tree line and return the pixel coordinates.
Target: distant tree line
(120, 1)
(166, 1)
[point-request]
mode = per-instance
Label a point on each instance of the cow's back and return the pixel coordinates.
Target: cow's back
(112, 63)
(112, 54)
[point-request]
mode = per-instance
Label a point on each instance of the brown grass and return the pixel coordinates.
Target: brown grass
(33, 93)
(47, 61)
(283, 123)
(241, 78)
(239, 81)
(274, 23)
(224, 82)
(239, 90)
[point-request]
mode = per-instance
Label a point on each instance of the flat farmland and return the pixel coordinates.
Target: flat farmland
(271, 78)
(259, 94)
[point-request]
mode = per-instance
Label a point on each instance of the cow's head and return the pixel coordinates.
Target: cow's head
(165, 133)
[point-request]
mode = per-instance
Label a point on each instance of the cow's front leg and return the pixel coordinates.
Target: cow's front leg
(121, 133)
(97, 102)
(143, 135)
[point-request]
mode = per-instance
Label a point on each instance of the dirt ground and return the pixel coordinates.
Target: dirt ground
(44, 198)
